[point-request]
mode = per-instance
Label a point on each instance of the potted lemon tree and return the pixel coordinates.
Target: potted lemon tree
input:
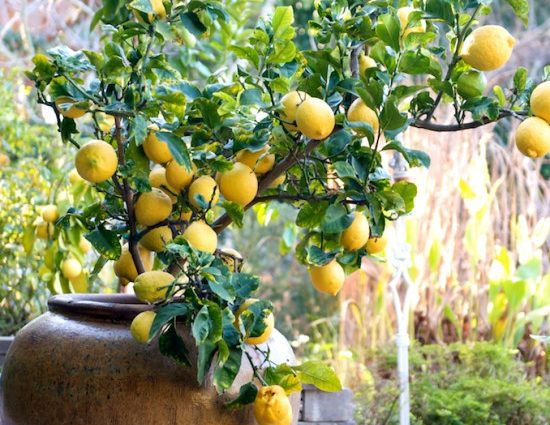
(184, 157)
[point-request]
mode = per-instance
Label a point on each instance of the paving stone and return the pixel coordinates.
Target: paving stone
(322, 407)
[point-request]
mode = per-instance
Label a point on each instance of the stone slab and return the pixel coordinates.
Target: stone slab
(323, 407)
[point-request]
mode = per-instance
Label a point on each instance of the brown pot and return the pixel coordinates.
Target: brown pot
(78, 364)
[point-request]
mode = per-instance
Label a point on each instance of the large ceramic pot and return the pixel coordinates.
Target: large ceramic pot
(78, 364)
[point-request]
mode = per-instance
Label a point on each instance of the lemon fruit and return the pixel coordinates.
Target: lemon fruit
(185, 215)
(96, 161)
(44, 230)
(80, 283)
(356, 235)
(278, 181)
(157, 178)
(141, 326)
(206, 187)
(178, 176)
(201, 236)
(540, 101)
(152, 286)
(471, 84)
(153, 207)
(157, 238)
(62, 102)
(239, 185)
(366, 62)
(272, 406)
(376, 245)
(328, 278)
(315, 119)
(269, 324)
(71, 268)
(403, 15)
(74, 177)
(125, 268)
(488, 47)
(50, 213)
(159, 12)
(105, 122)
(252, 159)
(533, 137)
(290, 103)
(84, 245)
(156, 150)
(358, 111)
(4, 159)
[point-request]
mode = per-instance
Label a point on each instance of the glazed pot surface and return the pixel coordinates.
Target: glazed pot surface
(78, 364)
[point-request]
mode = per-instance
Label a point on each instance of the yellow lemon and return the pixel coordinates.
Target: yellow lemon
(125, 268)
(328, 278)
(71, 268)
(4, 159)
(376, 244)
(157, 178)
(206, 187)
(403, 15)
(44, 230)
(278, 181)
(290, 103)
(80, 283)
(269, 322)
(178, 176)
(50, 213)
(152, 286)
(533, 137)
(159, 12)
(96, 161)
(201, 236)
(358, 111)
(239, 185)
(84, 245)
(357, 233)
(366, 62)
(156, 150)
(141, 326)
(252, 159)
(488, 47)
(315, 119)
(540, 101)
(74, 177)
(185, 215)
(61, 104)
(153, 207)
(272, 406)
(105, 122)
(156, 239)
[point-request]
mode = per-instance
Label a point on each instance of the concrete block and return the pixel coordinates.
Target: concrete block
(323, 407)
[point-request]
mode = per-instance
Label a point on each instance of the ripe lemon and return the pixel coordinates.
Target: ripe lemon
(84, 245)
(147, 18)
(252, 159)
(201, 236)
(71, 268)
(96, 161)
(80, 283)
(533, 137)
(74, 177)
(290, 103)
(403, 15)
(72, 111)
(141, 326)
(540, 101)
(278, 181)
(488, 47)
(315, 119)
(272, 406)
(157, 238)
(178, 176)
(105, 122)
(239, 185)
(152, 286)
(269, 322)
(366, 62)
(328, 278)
(376, 244)
(206, 187)
(357, 234)
(358, 111)
(125, 268)
(44, 230)
(153, 207)
(50, 213)
(157, 178)
(4, 159)
(185, 215)
(156, 150)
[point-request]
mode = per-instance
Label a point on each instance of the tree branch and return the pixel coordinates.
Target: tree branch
(429, 125)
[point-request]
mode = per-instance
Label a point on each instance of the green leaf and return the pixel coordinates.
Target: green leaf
(407, 191)
(225, 373)
(311, 215)
(165, 314)
(247, 395)
(171, 345)
(201, 325)
(235, 212)
(245, 284)
(336, 219)
(390, 117)
(441, 9)
(106, 242)
(317, 257)
(388, 30)
(282, 53)
(283, 17)
(414, 158)
(320, 375)
(284, 376)
(521, 9)
(177, 147)
(142, 5)
(248, 53)
(344, 169)
(252, 320)
(520, 78)
(192, 23)
(204, 359)
(139, 129)
(414, 63)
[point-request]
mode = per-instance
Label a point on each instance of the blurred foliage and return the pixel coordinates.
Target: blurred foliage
(459, 384)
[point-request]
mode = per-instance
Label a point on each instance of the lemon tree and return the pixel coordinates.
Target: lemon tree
(309, 127)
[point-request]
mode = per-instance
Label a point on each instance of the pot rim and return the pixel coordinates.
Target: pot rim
(102, 306)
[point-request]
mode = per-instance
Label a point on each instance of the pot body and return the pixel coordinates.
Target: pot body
(82, 367)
